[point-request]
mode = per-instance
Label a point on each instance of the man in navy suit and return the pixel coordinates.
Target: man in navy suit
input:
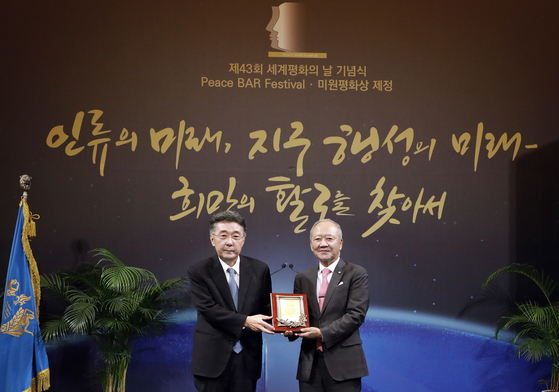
(331, 357)
(231, 293)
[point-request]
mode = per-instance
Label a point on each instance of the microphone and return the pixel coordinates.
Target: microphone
(291, 266)
(282, 267)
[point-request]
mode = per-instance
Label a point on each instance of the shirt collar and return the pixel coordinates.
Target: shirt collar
(331, 267)
(226, 266)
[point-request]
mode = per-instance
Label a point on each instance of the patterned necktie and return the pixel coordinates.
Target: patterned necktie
(323, 288)
(235, 294)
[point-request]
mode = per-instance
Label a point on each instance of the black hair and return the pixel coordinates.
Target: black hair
(227, 216)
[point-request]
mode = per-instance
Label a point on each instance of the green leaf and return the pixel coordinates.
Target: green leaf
(537, 326)
(113, 303)
(55, 328)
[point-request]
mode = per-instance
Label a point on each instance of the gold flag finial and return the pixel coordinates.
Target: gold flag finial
(25, 184)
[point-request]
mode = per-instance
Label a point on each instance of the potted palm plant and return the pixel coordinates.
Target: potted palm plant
(536, 324)
(113, 303)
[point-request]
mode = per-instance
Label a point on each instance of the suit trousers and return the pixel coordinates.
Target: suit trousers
(321, 381)
(234, 378)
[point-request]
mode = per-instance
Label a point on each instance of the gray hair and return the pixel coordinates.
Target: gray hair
(327, 220)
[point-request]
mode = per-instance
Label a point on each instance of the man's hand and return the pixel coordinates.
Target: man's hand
(257, 323)
(288, 334)
(310, 333)
(292, 336)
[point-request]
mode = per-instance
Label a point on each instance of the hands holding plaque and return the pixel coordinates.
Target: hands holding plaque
(258, 323)
(289, 312)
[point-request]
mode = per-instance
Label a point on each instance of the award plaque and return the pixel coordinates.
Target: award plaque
(289, 312)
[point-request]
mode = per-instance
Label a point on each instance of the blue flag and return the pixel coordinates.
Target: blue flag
(24, 364)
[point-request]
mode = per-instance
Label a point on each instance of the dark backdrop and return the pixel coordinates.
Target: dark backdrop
(471, 86)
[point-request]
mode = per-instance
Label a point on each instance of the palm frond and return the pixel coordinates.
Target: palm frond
(115, 329)
(54, 328)
(536, 349)
(119, 306)
(120, 277)
(544, 282)
(78, 296)
(537, 326)
(114, 303)
(80, 316)
(150, 314)
(54, 282)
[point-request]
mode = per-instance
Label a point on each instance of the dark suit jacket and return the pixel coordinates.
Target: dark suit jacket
(219, 325)
(344, 310)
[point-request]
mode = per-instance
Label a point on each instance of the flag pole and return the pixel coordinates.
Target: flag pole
(23, 358)
(30, 232)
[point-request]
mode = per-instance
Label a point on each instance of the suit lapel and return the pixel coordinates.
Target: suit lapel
(244, 280)
(312, 300)
(334, 282)
(218, 276)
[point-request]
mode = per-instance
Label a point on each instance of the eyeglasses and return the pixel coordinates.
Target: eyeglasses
(234, 237)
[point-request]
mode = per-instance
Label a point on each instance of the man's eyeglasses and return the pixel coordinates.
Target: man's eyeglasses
(234, 237)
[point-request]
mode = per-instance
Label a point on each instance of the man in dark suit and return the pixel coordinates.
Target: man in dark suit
(231, 293)
(332, 357)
